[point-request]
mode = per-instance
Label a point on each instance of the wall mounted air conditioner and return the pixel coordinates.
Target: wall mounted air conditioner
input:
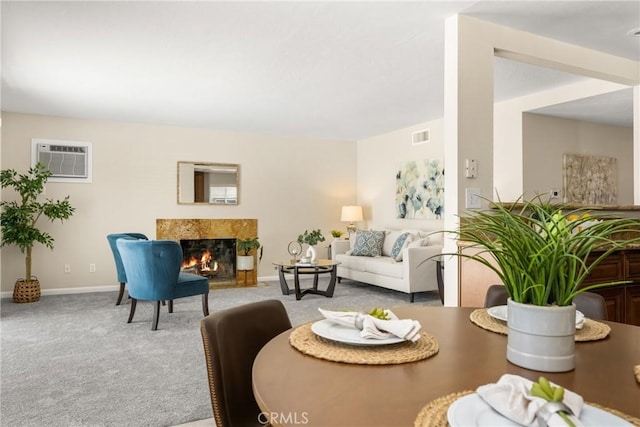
(68, 161)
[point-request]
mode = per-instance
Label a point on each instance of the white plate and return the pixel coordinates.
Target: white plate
(471, 410)
(500, 312)
(344, 334)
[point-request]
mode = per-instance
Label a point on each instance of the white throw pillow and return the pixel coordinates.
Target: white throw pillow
(419, 243)
(401, 242)
(390, 238)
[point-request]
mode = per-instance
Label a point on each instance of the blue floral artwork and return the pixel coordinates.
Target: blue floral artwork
(420, 190)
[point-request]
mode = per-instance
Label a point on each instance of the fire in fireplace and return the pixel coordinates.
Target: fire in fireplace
(212, 258)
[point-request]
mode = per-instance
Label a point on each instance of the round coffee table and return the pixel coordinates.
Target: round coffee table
(321, 266)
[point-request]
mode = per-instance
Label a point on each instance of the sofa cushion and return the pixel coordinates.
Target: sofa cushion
(419, 243)
(401, 242)
(351, 262)
(384, 266)
(368, 243)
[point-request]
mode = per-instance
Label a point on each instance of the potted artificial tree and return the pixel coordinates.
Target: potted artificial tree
(18, 222)
(543, 253)
(311, 238)
(245, 262)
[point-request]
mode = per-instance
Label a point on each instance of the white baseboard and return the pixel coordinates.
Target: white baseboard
(89, 289)
(65, 291)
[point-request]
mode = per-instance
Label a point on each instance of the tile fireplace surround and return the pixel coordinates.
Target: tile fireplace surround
(177, 229)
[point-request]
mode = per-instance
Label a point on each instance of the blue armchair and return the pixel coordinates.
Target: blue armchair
(122, 277)
(153, 274)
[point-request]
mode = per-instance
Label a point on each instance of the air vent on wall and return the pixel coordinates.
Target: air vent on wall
(68, 161)
(420, 137)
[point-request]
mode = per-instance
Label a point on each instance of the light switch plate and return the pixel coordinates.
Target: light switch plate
(472, 198)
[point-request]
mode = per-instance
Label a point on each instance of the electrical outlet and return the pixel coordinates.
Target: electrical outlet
(472, 199)
(554, 194)
(92, 268)
(67, 268)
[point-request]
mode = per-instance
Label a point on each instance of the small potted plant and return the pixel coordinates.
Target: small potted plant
(542, 253)
(19, 218)
(336, 234)
(311, 238)
(245, 246)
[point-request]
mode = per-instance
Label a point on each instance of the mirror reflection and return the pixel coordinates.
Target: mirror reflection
(208, 183)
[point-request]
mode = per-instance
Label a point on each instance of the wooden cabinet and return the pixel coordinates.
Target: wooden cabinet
(623, 301)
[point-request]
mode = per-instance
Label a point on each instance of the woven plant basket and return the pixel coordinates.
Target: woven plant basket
(26, 290)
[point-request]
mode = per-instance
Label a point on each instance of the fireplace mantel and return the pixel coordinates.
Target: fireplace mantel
(177, 229)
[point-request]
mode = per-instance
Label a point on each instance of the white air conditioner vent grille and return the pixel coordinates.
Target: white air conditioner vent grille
(68, 161)
(64, 161)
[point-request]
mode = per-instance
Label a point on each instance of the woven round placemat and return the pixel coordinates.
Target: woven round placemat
(592, 330)
(434, 413)
(304, 340)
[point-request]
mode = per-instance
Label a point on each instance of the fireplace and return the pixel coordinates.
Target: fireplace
(211, 258)
(225, 229)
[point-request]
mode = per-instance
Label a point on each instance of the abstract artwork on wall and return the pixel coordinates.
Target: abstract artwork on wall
(590, 180)
(420, 190)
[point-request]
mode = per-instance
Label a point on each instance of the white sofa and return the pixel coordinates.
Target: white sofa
(405, 275)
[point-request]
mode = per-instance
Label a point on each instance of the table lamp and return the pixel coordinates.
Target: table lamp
(351, 214)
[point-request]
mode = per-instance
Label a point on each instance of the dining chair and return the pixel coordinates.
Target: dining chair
(122, 276)
(592, 305)
(153, 274)
(232, 339)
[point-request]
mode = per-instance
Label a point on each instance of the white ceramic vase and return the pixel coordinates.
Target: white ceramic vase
(244, 262)
(541, 338)
(311, 254)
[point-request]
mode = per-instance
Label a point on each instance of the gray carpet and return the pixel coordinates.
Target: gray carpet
(72, 360)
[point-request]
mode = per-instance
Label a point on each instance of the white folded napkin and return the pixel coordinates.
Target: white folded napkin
(374, 328)
(511, 397)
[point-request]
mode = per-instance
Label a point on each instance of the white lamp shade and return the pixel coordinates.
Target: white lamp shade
(351, 213)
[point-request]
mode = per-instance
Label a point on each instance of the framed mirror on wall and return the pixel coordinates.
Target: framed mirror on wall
(208, 183)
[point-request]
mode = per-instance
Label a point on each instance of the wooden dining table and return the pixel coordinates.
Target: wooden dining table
(297, 389)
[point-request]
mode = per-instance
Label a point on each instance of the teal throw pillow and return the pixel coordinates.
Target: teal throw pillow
(396, 252)
(368, 243)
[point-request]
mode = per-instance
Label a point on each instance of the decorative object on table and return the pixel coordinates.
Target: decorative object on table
(377, 324)
(636, 372)
(311, 238)
(590, 180)
(420, 189)
(306, 342)
(436, 412)
(525, 402)
(18, 222)
(540, 253)
(351, 214)
(591, 330)
(336, 234)
(294, 250)
(245, 262)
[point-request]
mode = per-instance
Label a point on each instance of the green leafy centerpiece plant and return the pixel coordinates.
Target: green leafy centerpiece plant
(311, 238)
(18, 222)
(542, 253)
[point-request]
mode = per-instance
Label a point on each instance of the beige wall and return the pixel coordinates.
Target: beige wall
(547, 138)
(289, 184)
(378, 160)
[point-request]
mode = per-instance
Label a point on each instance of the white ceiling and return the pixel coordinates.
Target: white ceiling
(339, 70)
